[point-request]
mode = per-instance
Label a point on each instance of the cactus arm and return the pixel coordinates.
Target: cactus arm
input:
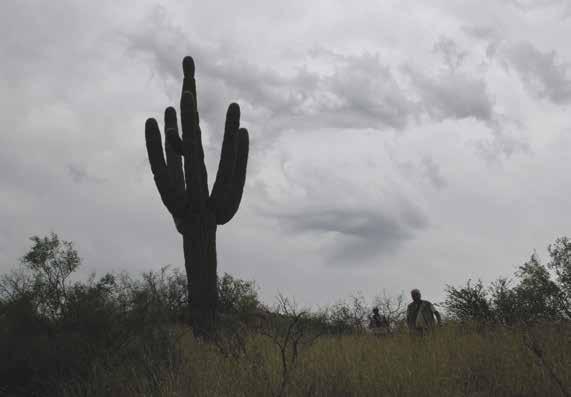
(174, 203)
(235, 196)
(227, 163)
(174, 159)
(155, 151)
(228, 205)
(189, 82)
(171, 132)
(194, 167)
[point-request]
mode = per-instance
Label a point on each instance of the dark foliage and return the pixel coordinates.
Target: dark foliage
(532, 296)
(57, 333)
(469, 302)
(54, 332)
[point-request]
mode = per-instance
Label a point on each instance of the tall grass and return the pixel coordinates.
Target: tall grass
(453, 361)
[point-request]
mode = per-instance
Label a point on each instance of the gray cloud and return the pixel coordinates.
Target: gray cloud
(543, 74)
(320, 192)
(533, 5)
(361, 92)
(79, 174)
(353, 91)
(453, 95)
(433, 172)
(358, 234)
(451, 52)
(354, 235)
(328, 101)
(367, 92)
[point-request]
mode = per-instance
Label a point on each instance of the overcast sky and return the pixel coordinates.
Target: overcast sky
(394, 144)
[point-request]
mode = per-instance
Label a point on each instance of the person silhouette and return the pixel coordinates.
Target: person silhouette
(378, 323)
(421, 315)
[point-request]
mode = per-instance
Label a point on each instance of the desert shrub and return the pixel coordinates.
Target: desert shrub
(469, 302)
(346, 317)
(53, 331)
(118, 335)
(236, 295)
(532, 295)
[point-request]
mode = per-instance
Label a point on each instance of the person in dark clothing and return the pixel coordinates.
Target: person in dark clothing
(421, 315)
(379, 324)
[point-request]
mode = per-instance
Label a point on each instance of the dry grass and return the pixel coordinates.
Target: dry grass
(454, 361)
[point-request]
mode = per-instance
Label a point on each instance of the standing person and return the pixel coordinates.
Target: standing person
(420, 315)
(379, 324)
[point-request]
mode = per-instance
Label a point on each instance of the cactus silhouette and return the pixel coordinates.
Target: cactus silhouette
(183, 187)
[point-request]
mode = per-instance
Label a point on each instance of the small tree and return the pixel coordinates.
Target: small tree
(469, 302)
(292, 331)
(538, 297)
(504, 301)
(392, 308)
(237, 296)
(53, 329)
(347, 317)
(44, 280)
(531, 296)
(560, 262)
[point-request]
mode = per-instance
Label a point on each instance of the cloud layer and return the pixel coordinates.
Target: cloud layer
(393, 145)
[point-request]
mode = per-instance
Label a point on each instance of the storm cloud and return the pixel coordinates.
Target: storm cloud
(392, 144)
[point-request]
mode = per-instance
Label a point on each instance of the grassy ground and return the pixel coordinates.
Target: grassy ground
(454, 361)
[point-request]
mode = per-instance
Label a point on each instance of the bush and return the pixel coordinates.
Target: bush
(53, 332)
(532, 296)
(56, 333)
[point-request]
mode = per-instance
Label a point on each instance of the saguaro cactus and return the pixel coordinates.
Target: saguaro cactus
(184, 191)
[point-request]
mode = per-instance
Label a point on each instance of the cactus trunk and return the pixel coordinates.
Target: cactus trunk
(200, 263)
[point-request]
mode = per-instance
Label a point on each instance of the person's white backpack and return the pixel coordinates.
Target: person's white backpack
(420, 320)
